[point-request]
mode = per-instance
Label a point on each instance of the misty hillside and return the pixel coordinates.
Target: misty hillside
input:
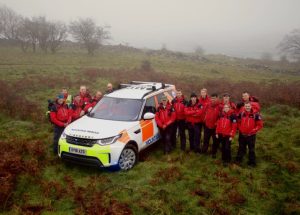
(34, 181)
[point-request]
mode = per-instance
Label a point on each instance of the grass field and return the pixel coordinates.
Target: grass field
(34, 181)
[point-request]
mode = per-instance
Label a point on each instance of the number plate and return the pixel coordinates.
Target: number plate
(77, 151)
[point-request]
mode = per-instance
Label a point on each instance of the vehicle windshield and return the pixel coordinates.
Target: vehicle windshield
(118, 109)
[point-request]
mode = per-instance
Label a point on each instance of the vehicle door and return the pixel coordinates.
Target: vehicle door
(149, 130)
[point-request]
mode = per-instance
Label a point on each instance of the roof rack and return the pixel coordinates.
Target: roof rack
(142, 82)
(147, 86)
(124, 86)
(163, 86)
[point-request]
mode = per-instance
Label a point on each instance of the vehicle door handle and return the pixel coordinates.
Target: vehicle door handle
(137, 131)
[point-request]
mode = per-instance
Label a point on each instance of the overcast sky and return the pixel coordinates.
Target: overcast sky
(245, 28)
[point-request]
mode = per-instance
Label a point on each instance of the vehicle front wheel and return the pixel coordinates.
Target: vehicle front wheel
(128, 157)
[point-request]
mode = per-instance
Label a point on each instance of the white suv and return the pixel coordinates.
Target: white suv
(117, 128)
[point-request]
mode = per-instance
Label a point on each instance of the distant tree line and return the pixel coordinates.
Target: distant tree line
(38, 32)
(48, 36)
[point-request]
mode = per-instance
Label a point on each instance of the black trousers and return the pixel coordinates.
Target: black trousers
(179, 125)
(194, 136)
(209, 133)
(166, 135)
(245, 141)
(226, 148)
(57, 133)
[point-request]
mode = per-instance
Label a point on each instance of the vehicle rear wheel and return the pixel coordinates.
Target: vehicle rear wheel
(128, 158)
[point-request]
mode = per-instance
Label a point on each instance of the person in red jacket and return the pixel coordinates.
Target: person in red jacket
(204, 98)
(249, 123)
(194, 116)
(165, 116)
(68, 98)
(60, 117)
(76, 108)
(212, 112)
(253, 100)
(225, 131)
(226, 100)
(179, 104)
(85, 97)
(98, 96)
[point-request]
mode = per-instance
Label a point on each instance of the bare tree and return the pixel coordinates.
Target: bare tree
(39, 31)
(24, 37)
(199, 51)
(290, 44)
(43, 32)
(58, 33)
(164, 47)
(30, 31)
(9, 23)
(86, 32)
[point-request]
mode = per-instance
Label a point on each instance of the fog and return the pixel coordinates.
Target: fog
(243, 28)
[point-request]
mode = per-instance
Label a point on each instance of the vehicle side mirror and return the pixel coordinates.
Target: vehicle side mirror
(149, 115)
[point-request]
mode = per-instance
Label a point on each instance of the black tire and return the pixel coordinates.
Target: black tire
(128, 157)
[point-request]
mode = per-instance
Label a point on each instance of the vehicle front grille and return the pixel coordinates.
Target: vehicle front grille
(81, 160)
(81, 141)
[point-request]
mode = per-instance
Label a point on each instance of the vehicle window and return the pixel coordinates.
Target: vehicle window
(150, 105)
(118, 109)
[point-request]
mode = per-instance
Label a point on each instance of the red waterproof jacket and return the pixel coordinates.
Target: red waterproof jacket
(59, 115)
(194, 113)
(165, 116)
(204, 101)
(212, 112)
(179, 105)
(249, 123)
(75, 110)
(227, 124)
(85, 98)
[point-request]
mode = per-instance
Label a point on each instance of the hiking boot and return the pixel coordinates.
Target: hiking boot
(251, 164)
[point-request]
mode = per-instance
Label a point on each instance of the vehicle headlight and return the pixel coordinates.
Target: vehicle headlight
(109, 140)
(63, 136)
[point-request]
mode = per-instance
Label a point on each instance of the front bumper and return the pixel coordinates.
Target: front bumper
(95, 155)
